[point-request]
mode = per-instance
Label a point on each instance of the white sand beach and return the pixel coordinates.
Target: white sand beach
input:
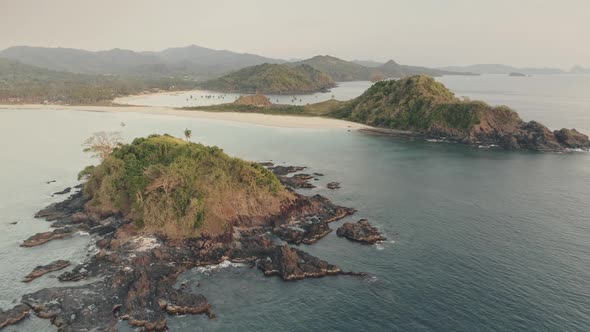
(287, 121)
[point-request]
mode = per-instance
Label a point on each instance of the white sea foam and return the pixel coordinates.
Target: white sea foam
(216, 267)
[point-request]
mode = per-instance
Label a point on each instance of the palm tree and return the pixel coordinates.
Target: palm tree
(187, 134)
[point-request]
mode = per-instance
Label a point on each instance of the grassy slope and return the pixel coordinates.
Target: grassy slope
(272, 79)
(181, 189)
(416, 103)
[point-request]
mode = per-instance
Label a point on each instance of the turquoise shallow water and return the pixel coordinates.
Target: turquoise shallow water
(479, 240)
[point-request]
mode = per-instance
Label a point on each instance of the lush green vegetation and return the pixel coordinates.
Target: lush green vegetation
(272, 79)
(180, 188)
(415, 103)
(403, 104)
(20, 83)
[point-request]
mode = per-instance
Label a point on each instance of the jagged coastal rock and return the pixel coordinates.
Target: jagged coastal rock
(44, 269)
(133, 275)
(418, 106)
(361, 231)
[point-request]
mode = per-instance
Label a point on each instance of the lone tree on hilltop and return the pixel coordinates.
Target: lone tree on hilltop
(101, 144)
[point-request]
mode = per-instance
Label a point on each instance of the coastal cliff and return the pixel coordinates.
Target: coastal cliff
(420, 106)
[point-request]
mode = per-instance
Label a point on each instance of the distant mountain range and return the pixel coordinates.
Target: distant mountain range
(191, 61)
(342, 70)
(194, 62)
(505, 69)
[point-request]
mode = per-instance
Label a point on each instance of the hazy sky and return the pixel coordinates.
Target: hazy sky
(421, 32)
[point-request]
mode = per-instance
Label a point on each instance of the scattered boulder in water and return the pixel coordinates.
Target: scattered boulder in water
(333, 185)
(361, 231)
(44, 269)
(63, 192)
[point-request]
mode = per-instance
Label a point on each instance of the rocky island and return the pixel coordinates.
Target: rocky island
(418, 106)
(158, 207)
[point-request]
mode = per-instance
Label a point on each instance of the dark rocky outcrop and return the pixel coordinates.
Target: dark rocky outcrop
(64, 209)
(360, 231)
(572, 138)
(285, 170)
(306, 232)
(14, 315)
(418, 106)
(41, 238)
(297, 181)
(293, 264)
(44, 269)
(133, 275)
(63, 192)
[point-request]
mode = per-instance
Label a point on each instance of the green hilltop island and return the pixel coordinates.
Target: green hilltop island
(420, 107)
(160, 206)
(273, 79)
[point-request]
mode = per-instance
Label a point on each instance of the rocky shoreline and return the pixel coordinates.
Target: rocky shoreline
(532, 136)
(133, 275)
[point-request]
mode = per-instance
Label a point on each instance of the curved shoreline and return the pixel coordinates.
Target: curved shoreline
(284, 121)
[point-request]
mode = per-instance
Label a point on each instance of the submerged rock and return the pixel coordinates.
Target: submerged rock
(333, 185)
(360, 231)
(44, 269)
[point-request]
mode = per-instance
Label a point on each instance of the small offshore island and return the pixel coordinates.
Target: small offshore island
(160, 206)
(419, 107)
